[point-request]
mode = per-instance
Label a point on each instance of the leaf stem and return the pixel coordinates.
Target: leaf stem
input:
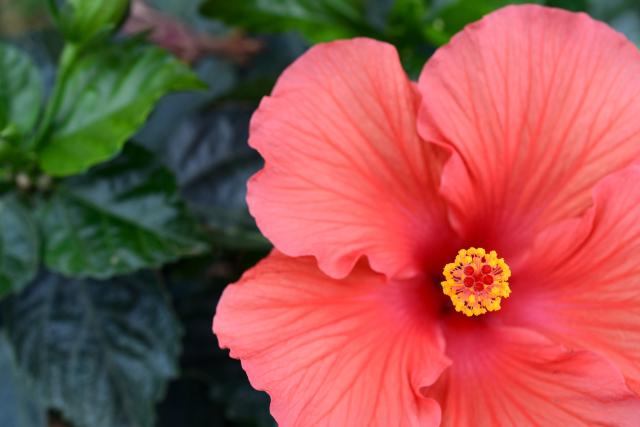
(65, 65)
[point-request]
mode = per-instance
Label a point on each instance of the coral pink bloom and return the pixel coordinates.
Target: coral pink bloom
(520, 137)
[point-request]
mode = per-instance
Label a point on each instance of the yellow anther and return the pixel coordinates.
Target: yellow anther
(476, 281)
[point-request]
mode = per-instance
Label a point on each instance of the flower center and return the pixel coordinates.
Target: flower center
(476, 281)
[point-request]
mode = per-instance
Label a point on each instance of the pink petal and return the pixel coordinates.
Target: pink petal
(333, 352)
(346, 174)
(581, 282)
(502, 376)
(536, 104)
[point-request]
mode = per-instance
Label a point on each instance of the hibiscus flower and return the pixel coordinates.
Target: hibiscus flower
(464, 250)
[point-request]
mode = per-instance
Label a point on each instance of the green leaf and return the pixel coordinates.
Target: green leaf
(107, 97)
(17, 407)
(410, 29)
(19, 246)
(83, 20)
(118, 218)
(20, 91)
(100, 352)
(317, 20)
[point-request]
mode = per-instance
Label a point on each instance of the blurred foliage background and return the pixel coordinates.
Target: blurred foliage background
(122, 184)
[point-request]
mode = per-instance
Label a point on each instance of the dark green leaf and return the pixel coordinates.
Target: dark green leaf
(317, 20)
(118, 218)
(19, 246)
(215, 392)
(212, 162)
(454, 16)
(575, 5)
(20, 91)
(100, 352)
(108, 96)
(208, 151)
(17, 407)
(172, 110)
(244, 405)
